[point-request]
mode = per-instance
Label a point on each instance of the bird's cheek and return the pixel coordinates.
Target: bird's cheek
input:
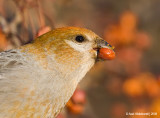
(106, 53)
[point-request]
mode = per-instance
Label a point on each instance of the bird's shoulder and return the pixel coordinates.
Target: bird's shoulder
(11, 59)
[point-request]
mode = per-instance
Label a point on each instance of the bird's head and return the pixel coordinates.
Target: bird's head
(73, 47)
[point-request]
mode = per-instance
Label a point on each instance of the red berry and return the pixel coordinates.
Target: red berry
(106, 53)
(79, 96)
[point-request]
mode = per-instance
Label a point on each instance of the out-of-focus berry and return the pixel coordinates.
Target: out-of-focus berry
(142, 41)
(133, 87)
(79, 96)
(122, 34)
(76, 104)
(128, 21)
(143, 84)
(3, 41)
(151, 85)
(43, 30)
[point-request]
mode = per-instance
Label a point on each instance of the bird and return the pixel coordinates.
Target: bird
(38, 79)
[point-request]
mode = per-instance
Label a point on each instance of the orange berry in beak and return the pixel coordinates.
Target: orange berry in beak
(106, 54)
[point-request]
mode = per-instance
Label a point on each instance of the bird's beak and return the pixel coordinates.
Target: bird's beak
(104, 50)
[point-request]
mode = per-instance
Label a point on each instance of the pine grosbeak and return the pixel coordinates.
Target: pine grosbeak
(37, 79)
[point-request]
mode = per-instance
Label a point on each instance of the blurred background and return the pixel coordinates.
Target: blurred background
(129, 83)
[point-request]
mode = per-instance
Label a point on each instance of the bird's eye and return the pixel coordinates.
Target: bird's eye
(79, 39)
